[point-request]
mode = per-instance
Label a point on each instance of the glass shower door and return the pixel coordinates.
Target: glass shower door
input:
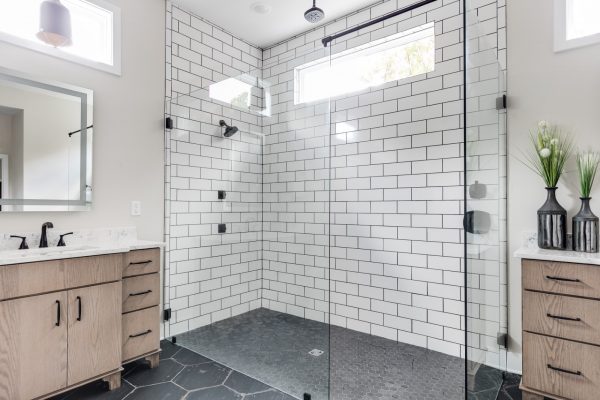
(485, 201)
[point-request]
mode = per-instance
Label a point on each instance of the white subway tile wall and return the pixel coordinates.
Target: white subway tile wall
(362, 197)
(211, 276)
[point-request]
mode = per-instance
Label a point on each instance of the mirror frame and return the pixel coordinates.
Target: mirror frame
(87, 98)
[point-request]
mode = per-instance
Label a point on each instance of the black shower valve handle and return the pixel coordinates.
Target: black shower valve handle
(24, 245)
(61, 241)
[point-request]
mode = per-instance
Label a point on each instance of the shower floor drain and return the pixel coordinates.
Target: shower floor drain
(316, 352)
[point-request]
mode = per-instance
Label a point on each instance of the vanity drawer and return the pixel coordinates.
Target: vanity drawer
(561, 367)
(140, 333)
(562, 316)
(139, 262)
(20, 280)
(141, 292)
(562, 278)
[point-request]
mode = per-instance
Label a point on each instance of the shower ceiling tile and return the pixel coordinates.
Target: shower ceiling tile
(285, 19)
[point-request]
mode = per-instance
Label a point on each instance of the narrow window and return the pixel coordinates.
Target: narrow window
(399, 56)
(95, 27)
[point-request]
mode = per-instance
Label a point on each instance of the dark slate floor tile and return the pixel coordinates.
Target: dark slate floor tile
(143, 375)
(163, 391)
(202, 376)
(187, 357)
(244, 384)
(96, 391)
(269, 395)
(216, 393)
(168, 349)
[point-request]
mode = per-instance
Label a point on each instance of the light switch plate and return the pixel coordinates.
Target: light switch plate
(136, 208)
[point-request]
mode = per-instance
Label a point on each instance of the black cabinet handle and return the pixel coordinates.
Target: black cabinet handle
(57, 313)
(558, 278)
(78, 308)
(140, 262)
(141, 334)
(140, 293)
(566, 371)
(563, 318)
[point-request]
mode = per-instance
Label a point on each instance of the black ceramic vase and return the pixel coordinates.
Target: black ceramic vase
(585, 229)
(552, 224)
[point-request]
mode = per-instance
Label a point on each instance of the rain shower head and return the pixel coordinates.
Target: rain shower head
(229, 130)
(314, 14)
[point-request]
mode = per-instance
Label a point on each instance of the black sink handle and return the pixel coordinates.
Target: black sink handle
(61, 241)
(24, 245)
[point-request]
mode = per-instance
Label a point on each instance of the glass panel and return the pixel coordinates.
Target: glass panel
(397, 295)
(485, 205)
(254, 298)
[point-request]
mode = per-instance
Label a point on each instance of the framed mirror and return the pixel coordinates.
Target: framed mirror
(46, 136)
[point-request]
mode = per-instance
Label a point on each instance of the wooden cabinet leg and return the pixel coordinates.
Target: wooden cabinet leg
(532, 396)
(153, 360)
(114, 381)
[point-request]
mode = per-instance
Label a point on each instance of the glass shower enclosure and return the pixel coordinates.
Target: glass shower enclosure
(336, 213)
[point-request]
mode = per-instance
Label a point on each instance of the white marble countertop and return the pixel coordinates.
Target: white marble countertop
(535, 253)
(9, 257)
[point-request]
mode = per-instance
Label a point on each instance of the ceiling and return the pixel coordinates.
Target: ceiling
(285, 19)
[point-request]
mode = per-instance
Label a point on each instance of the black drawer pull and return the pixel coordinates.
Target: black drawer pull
(563, 318)
(141, 334)
(78, 308)
(566, 371)
(558, 278)
(140, 293)
(57, 313)
(140, 262)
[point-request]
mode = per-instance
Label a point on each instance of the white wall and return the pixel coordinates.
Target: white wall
(128, 118)
(210, 276)
(563, 88)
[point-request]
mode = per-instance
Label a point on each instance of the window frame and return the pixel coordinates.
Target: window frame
(560, 31)
(372, 47)
(115, 68)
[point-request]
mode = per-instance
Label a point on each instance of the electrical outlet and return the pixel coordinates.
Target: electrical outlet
(136, 208)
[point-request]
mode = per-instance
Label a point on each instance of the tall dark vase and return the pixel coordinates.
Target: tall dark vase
(552, 224)
(585, 229)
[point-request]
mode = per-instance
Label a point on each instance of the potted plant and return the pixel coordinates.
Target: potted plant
(547, 157)
(585, 223)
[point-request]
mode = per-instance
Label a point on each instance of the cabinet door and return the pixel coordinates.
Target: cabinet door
(94, 331)
(33, 346)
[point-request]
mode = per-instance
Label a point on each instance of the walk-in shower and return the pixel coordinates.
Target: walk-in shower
(341, 265)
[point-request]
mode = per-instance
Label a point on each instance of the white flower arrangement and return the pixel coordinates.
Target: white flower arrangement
(551, 151)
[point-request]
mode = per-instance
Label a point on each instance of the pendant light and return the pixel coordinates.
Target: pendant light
(55, 24)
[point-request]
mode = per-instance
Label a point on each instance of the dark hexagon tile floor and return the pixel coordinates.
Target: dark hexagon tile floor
(181, 374)
(363, 367)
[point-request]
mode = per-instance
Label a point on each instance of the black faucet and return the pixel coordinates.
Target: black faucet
(44, 238)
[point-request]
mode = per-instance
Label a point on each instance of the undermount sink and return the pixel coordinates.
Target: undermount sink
(45, 251)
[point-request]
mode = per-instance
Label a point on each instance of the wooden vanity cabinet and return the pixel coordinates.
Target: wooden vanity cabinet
(33, 346)
(561, 330)
(94, 326)
(64, 323)
(52, 342)
(141, 311)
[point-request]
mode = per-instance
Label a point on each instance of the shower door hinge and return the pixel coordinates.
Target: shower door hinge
(503, 340)
(167, 314)
(501, 103)
(306, 396)
(169, 123)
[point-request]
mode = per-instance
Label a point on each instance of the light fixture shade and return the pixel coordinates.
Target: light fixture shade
(55, 24)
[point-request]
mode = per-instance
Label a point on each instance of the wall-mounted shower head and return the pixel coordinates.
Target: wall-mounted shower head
(229, 130)
(314, 14)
